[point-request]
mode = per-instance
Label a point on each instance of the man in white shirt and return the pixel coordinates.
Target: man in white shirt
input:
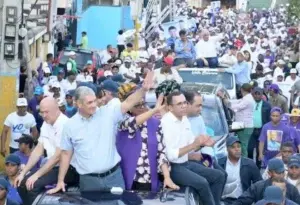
(206, 51)
(292, 78)
(106, 54)
(128, 70)
(180, 142)
(229, 58)
(31, 184)
(166, 72)
(69, 83)
(241, 171)
(19, 122)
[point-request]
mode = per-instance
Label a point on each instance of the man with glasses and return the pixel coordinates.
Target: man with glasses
(261, 116)
(180, 142)
(256, 191)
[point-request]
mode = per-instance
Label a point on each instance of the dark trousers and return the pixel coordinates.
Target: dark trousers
(12, 150)
(189, 62)
(254, 143)
(212, 62)
(208, 182)
(28, 197)
(121, 48)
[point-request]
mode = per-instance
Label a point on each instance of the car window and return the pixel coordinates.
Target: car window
(213, 121)
(226, 79)
(81, 58)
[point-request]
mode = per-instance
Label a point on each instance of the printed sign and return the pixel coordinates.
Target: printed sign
(274, 138)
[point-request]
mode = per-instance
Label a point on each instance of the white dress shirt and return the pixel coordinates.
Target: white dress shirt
(177, 134)
(207, 49)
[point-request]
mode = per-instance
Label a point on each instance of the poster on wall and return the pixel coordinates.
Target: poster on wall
(215, 6)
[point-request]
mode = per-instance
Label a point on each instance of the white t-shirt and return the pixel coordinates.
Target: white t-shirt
(19, 125)
(50, 136)
(67, 85)
(82, 78)
(121, 40)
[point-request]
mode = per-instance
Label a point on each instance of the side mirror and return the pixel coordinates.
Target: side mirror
(236, 126)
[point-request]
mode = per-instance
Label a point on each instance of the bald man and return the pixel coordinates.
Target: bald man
(31, 184)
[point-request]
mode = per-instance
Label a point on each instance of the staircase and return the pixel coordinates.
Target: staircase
(155, 17)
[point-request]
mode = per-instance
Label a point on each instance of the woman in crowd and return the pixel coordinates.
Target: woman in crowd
(141, 147)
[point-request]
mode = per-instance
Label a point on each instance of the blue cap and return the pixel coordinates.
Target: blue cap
(231, 140)
(118, 78)
(4, 184)
(61, 71)
(274, 87)
(110, 85)
(273, 195)
(13, 159)
(38, 90)
(70, 93)
(276, 165)
(89, 62)
(294, 161)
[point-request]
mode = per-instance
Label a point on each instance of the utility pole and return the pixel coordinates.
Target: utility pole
(10, 20)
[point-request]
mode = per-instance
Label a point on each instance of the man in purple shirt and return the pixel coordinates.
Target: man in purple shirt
(25, 149)
(34, 106)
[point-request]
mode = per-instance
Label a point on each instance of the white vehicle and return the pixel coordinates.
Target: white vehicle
(211, 76)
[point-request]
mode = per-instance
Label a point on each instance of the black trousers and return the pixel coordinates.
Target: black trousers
(121, 48)
(28, 197)
(254, 143)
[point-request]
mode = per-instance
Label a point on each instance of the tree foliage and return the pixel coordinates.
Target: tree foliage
(294, 9)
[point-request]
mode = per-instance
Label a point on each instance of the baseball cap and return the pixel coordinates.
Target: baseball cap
(70, 93)
(46, 70)
(294, 161)
(56, 85)
(26, 139)
(22, 102)
(4, 184)
(258, 90)
(293, 70)
(273, 195)
(276, 165)
(13, 159)
(110, 85)
(38, 90)
(231, 140)
(89, 62)
(128, 60)
(274, 87)
(281, 62)
(118, 62)
(169, 60)
(61, 71)
(295, 112)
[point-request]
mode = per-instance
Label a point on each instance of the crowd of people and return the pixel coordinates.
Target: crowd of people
(92, 128)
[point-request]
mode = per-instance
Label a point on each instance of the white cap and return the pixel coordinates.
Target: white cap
(265, 44)
(118, 62)
(46, 70)
(55, 85)
(280, 74)
(22, 102)
(128, 60)
(108, 73)
(71, 53)
(293, 70)
(281, 62)
(286, 58)
(60, 102)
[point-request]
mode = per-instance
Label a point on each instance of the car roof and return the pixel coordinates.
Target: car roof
(203, 88)
(78, 50)
(211, 70)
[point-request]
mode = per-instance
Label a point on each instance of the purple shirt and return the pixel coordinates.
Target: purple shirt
(24, 160)
(273, 136)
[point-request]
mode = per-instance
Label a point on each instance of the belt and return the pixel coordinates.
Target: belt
(105, 174)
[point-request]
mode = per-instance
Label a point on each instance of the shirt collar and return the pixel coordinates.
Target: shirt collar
(56, 124)
(174, 118)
